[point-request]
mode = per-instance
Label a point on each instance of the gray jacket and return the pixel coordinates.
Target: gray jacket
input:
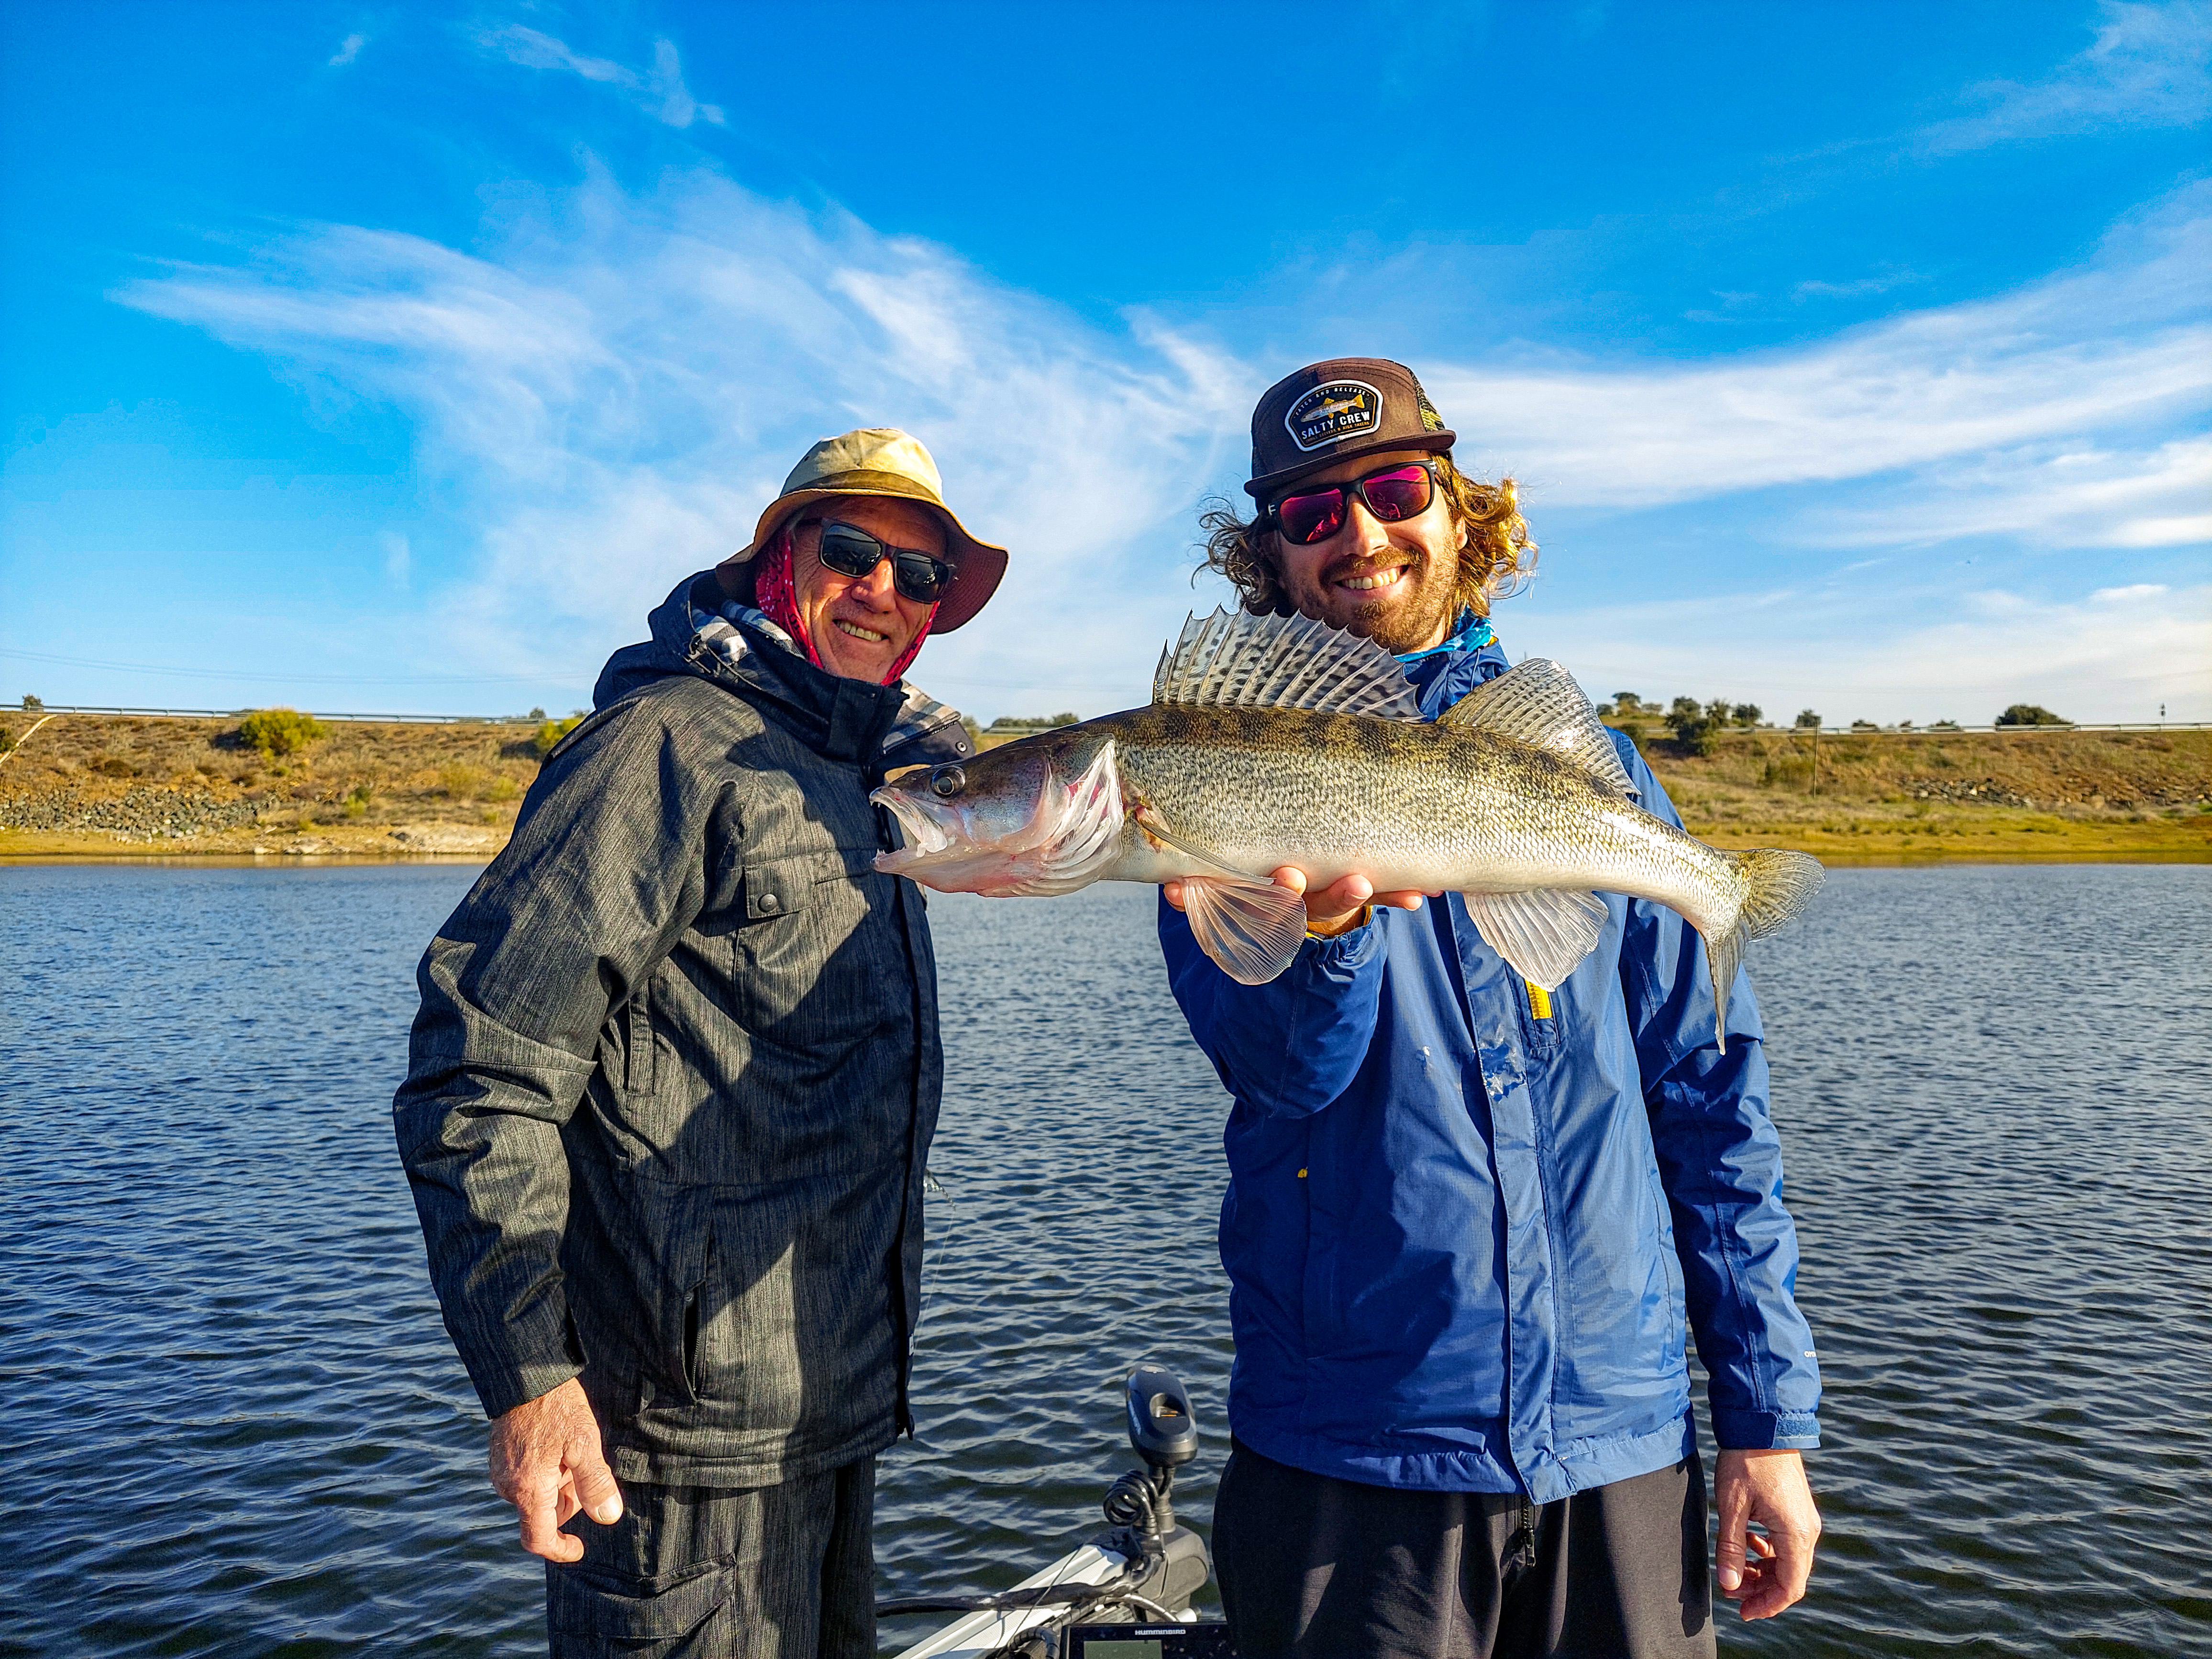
(672, 1088)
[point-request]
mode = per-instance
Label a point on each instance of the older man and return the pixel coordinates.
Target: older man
(673, 1082)
(1468, 1220)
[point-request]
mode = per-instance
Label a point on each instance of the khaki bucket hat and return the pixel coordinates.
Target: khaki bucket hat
(881, 460)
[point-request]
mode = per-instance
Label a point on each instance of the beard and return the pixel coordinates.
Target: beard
(1412, 620)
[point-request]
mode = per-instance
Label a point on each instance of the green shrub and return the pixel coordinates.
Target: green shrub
(2031, 714)
(551, 732)
(1694, 729)
(277, 731)
(1808, 719)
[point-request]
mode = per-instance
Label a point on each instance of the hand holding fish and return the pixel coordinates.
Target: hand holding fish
(1337, 908)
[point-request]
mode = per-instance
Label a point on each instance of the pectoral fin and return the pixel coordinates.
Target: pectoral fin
(1543, 933)
(1251, 929)
(1157, 827)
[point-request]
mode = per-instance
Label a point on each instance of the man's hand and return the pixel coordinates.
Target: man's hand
(546, 1461)
(1336, 909)
(1768, 1488)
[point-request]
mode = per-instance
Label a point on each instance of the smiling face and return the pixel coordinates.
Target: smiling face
(1395, 584)
(861, 625)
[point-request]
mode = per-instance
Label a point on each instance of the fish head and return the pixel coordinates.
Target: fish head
(1041, 816)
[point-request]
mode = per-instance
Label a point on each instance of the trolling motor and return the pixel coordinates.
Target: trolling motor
(1164, 1432)
(1168, 1564)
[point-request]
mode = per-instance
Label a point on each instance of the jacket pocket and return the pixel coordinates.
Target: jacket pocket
(1663, 1221)
(640, 1064)
(774, 887)
(672, 1617)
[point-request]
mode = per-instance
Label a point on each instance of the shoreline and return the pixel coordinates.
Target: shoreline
(96, 788)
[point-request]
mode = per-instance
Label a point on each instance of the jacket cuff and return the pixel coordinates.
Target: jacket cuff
(1736, 1430)
(1353, 948)
(521, 1361)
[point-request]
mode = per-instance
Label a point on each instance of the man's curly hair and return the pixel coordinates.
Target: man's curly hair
(1499, 554)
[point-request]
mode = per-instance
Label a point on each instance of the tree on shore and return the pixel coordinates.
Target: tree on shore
(2031, 714)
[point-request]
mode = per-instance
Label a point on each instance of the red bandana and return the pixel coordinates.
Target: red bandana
(777, 596)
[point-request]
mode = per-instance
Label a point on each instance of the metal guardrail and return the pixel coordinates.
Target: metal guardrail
(320, 714)
(1656, 722)
(1656, 726)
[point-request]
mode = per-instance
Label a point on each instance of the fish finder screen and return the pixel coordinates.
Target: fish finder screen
(1118, 1649)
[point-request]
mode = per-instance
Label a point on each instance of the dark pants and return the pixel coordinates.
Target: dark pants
(703, 1572)
(1328, 1569)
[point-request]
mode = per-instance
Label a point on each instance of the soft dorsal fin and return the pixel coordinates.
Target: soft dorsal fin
(1235, 660)
(1538, 702)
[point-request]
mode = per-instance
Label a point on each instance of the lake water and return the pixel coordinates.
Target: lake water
(234, 1426)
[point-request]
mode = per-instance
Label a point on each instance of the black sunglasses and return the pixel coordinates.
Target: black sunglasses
(851, 551)
(1391, 493)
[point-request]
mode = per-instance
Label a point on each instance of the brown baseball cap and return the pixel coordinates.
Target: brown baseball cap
(1328, 412)
(881, 460)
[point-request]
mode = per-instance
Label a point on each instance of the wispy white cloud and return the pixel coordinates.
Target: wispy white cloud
(2046, 496)
(620, 404)
(2149, 66)
(659, 91)
(2124, 341)
(613, 392)
(2115, 656)
(349, 49)
(1881, 284)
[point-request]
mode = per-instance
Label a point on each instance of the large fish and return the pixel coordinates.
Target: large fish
(1274, 741)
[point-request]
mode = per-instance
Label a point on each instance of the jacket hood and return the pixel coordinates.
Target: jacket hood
(698, 631)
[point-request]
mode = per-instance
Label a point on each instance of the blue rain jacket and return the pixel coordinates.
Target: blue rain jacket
(1463, 1238)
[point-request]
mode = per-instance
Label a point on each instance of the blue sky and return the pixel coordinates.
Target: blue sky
(400, 357)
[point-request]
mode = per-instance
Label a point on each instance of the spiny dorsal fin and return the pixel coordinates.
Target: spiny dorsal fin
(1539, 704)
(1233, 659)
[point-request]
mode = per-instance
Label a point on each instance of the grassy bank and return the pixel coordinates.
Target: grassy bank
(93, 786)
(88, 784)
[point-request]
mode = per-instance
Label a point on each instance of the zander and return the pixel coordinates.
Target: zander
(1272, 741)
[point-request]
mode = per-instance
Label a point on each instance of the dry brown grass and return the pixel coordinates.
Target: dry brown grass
(1880, 797)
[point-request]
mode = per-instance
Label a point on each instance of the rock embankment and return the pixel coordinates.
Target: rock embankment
(138, 814)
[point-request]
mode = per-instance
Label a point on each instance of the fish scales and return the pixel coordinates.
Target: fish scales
(1249, 760)
(1407, 805)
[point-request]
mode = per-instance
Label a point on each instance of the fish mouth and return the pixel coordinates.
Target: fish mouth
(924, 835)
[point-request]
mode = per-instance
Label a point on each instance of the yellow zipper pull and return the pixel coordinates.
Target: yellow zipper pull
(1540, 1000)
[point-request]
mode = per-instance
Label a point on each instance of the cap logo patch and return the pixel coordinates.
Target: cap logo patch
(1333, 412)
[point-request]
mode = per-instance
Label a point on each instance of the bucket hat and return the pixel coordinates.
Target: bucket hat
(881, 460)
(1330, 412)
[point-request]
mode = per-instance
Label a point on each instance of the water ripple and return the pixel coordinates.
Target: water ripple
(230, 1393)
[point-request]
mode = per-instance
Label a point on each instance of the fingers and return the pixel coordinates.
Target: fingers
(1170, 891)
(1733, 1500)
(541, 1527)
(594, 1482)
(1404, 898)
(1783, 1578)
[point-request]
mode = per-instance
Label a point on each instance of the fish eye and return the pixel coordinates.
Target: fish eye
(948, 781)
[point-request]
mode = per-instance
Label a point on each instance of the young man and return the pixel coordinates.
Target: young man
(1466, 1220)
(672, 1086)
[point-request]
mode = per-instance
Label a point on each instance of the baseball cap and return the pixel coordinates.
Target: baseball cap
(1331, 411)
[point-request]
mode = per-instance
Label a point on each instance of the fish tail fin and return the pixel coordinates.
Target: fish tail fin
(1776, 887)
